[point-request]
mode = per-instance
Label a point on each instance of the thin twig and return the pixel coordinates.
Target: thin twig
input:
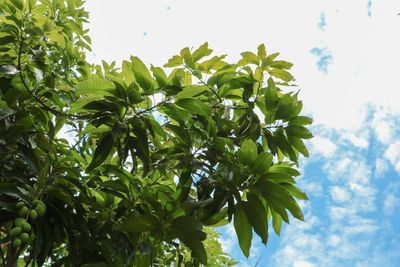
(204, 83)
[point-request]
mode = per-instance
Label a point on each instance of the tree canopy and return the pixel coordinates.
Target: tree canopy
(160, 156)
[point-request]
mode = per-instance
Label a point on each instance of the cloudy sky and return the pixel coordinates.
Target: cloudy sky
(346, 56)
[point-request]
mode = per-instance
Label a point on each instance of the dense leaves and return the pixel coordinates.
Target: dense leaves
(108, 166)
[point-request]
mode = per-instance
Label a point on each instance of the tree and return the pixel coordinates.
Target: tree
(161, 156)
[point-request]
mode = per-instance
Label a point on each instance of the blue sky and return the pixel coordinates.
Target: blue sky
(345, 56)
(351, 219)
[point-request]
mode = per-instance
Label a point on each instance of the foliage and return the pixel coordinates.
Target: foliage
(158, 153)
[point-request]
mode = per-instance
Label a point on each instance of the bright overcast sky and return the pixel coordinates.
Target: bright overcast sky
(346, 58)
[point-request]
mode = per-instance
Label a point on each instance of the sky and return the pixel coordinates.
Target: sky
(345, 56)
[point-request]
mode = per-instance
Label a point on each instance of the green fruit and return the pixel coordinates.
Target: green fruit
(24, 237)
(16, 243)
(33, 214)
(15, 231)
(23, 211)
(26, 227)
(19, 221)
(40, 209)
(37, 202)
(19, 204)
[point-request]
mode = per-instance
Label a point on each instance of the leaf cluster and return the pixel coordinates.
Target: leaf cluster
(157, 156)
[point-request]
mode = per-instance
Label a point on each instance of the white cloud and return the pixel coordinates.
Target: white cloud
(302, 263)
(393, 155)
(313, 188)
(323, 146)
(391, 203)
(228, 240)
(383, 125)
(336, 238)
(381, 167)
(358, 141)
(339, 194)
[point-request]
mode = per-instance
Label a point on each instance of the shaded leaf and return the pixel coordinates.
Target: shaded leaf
(103, 149)
(242, 228)
(194, 106)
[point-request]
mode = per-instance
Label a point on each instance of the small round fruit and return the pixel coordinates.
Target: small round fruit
(40, 210)
(15, 231)
(16, 243)
(24, 237)
(23, 211)
(19, 221)
(19, 204)
(33, 214)
(26, 227)
(37, 202)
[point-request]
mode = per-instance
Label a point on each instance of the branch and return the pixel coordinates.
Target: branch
(151, 108)
(204, 83)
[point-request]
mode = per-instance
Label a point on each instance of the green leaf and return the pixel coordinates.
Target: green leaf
(242, 228)
(271, 95)
(42, 177)
(278, 177)
(140, 143)
(180, 132)
(194, 106)
(281, 64)
(248, 57)
(30, 157)
(174, 62)
(268, 60)
(214, 63)
(298, 131)
(284, 169)
(187, 58)
(257, 215)
(295, 191)
(279, 197)
(97, 87)
(261, 53)
(134, 95)
(276, 222)
(142, 74)
(300, 120)
(281, 74)
(187, 224)
(192, 91)
(221, 77)
(247, 153)
(103, 149)
(18, 4)
(57, 37)
(217, 218)
(284, 145)
(194, 244)
(6, 40)
(160, 76)
(138, 224)
(201, 52)
(299, 145)
(262, 163)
